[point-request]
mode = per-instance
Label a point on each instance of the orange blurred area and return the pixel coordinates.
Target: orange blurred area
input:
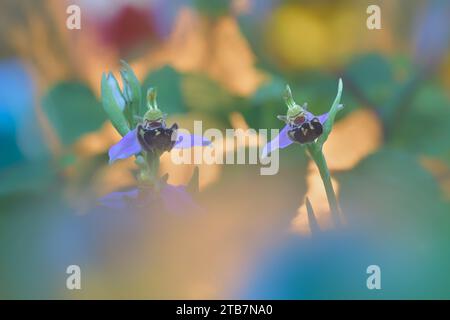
(441, 171)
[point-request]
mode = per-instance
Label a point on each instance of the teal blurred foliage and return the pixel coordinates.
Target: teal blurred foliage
(425, 128)
(212, 9)
(73, 110)
(180, 93)
(168, 83)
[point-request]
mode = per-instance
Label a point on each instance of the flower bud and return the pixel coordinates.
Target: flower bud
(114, 103)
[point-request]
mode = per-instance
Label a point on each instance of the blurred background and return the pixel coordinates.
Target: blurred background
(226, 63)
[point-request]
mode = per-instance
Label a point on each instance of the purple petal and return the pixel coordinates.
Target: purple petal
(118, 200)
(173, 199)
(322, 118)
(127, 147)
(279, 142)
(177, 200)
(186, 140)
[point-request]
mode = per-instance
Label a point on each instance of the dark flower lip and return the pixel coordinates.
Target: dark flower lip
(294, 133)
(129, 145)
(156, 137)
(306, 132)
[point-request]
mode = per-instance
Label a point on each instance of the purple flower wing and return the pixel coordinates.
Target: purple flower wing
(322, 118)
(177, 200)
(279, 142)
(118, 200)
(126, 147)
(186, 140)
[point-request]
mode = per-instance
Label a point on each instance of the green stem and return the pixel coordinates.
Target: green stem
(153, 164)
(317, 155)
(149, 167)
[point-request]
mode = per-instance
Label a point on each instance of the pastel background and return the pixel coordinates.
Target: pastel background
(226, 63)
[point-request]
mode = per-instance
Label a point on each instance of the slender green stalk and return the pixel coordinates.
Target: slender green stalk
(153, 169)
(148, 164)
(317, 156)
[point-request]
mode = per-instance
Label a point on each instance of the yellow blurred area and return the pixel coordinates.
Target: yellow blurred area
(298, 37)
(311, 35)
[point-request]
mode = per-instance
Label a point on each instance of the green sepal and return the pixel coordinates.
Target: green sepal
(132, 91)
(112, 103)
(328, 125)
(313, 224)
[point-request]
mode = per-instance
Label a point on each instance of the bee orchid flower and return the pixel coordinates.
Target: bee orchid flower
(146, 136)
(302, 126)
(306, 129)
(153, 136)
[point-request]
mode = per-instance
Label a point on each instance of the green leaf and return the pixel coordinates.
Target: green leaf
(167, 81)
(72, 110)
(313, 224)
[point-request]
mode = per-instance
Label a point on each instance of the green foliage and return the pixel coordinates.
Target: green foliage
(26, 178)
(72, 110)
(373, 76)
(425, 126)
(265, 104)
(213, 8)
(203, 94)
(391, 191)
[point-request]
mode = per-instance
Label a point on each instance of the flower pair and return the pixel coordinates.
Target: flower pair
(146, 136)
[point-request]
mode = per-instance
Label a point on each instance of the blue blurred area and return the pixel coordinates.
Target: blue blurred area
(333, 265)
(20, 135)
(16, 98)
(432, 33)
